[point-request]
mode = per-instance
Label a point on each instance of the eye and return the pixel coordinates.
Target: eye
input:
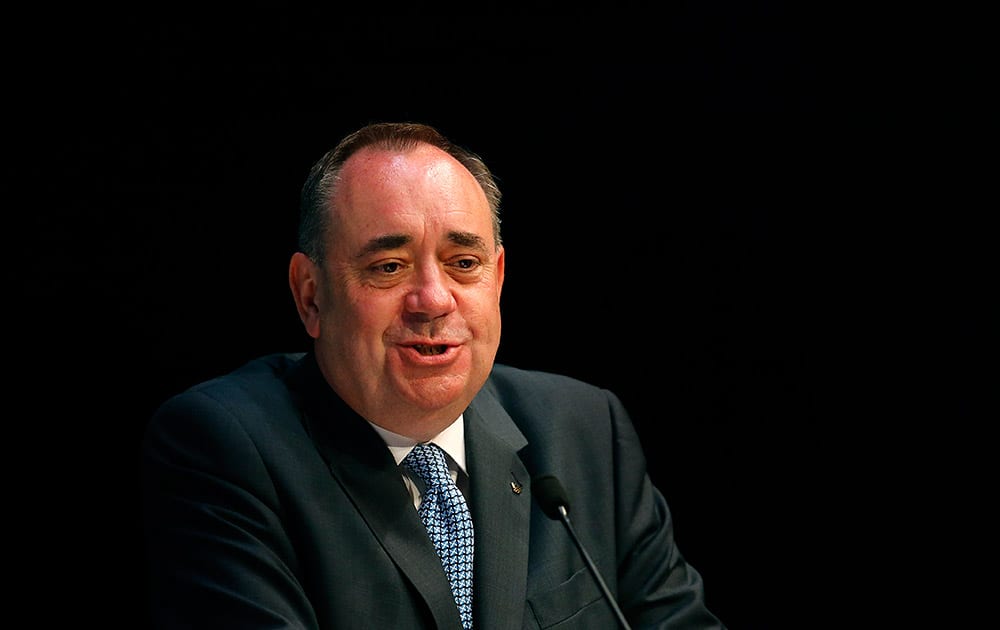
(390, 267)
(466, 264)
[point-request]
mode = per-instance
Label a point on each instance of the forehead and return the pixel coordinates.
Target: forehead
(388, 170)
(402, 192)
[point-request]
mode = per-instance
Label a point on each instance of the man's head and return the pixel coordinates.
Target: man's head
(319, 186)
(399, 275)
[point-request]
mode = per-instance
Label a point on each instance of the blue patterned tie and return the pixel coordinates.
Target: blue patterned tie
(448, 521)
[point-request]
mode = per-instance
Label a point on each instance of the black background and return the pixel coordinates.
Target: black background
(751, 221)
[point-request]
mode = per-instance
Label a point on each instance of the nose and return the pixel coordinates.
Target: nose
(430, 296)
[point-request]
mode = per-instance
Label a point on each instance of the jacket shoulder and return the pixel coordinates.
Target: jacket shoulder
(260, 383)
(253, 378)
(504, 377)
(519, 389)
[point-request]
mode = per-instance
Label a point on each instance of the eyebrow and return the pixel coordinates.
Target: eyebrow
(382, 243)
(395, 241)
(467, 239)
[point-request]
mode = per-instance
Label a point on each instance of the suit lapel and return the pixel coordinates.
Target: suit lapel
(500, 512)
(364, 468)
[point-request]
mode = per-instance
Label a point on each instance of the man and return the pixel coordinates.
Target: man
(282, 495)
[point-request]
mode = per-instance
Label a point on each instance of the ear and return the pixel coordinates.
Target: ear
(303, 279)
(501, 261)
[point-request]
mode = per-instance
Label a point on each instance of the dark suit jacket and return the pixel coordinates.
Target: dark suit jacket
(269, 503)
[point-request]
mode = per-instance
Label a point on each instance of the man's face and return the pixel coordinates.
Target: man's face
(409, 296)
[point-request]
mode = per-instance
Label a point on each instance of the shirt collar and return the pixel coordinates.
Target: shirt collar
(451, 440)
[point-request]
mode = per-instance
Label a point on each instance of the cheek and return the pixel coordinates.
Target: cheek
(355, 334)
(484, 315)
(366, 317)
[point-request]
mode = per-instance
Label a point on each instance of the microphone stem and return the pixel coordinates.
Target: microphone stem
(564, 516)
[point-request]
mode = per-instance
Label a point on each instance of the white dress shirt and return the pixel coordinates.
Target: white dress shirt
(452, 442)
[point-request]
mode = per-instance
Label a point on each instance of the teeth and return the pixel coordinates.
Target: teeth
(429, 350)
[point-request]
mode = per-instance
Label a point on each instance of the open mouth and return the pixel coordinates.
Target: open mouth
(430, 350)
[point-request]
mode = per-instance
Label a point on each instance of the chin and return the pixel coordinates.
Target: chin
(440, 393)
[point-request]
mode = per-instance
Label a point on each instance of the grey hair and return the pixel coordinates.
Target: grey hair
(318, 190)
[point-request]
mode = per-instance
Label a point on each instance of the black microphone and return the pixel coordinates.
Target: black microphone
(552, 497)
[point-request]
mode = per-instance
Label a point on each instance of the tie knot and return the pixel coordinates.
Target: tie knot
(427, 461)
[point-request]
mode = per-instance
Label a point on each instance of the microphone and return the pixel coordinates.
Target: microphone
(552, 498)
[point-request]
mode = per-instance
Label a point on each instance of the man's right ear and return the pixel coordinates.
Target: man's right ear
(303, 279)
